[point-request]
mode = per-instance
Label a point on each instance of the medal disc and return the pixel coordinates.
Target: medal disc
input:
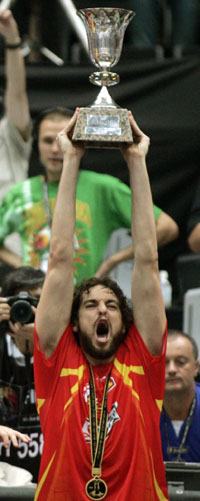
(96, 488)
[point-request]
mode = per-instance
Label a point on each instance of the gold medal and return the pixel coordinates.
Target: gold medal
(96, 488)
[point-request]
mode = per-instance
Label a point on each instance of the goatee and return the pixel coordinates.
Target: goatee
(101, 353)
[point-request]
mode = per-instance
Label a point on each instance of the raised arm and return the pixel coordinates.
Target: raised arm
(16, 101)
(148, 306)
(54, 309)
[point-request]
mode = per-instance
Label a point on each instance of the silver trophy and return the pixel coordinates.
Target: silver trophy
(104, 123)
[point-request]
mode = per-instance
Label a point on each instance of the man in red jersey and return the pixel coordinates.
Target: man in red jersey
(99, 374)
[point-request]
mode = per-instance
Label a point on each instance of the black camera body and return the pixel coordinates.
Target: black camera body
(21, 310)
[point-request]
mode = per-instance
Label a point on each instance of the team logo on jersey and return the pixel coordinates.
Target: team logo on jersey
(86, 389)
(113, 417)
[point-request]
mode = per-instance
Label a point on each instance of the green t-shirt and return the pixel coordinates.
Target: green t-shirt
(103, 204)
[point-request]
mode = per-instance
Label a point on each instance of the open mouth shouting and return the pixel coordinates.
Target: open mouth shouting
(102, 330)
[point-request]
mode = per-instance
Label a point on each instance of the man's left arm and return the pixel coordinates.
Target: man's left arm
(16, 99)
(148, 306)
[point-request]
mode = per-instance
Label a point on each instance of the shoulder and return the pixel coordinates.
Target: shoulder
(197, 391)
(135, 339)
(8, 128)
(19, 188)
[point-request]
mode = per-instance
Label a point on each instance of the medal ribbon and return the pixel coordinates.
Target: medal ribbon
(98, 434)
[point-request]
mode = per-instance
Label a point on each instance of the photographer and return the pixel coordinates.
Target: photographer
(21, 290)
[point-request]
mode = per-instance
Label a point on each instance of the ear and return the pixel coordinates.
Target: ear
(75, 327)
(123, 329)
(196, 367)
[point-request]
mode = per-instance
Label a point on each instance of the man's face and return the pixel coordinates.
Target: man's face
(100, 325)
(49, 152)
(181, 367)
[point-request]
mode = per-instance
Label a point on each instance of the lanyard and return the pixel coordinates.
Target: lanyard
(181, 449)
(96, 488)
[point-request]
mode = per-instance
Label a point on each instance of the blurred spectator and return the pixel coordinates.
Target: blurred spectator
(29, 207)
(15, 128)
(184, 23)
(180, 416)
(17, 394)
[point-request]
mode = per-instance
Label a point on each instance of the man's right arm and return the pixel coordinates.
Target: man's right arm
(54, 309)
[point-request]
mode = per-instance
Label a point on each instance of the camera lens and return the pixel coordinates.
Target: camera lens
(22, 312)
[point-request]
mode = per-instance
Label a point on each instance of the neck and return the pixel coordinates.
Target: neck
(95, 361)
(178, 406)
(51, 178)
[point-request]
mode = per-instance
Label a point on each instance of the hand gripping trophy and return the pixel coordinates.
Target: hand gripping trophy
(104, 123)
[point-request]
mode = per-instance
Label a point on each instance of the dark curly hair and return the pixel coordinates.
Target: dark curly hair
(22, 278)
(86, 285)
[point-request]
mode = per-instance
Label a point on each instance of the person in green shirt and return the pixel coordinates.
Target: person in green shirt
(28, 207)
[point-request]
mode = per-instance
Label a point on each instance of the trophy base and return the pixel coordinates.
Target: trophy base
(102, 127)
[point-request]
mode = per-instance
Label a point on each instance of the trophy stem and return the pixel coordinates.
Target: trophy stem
(105, 77)
(104, 100)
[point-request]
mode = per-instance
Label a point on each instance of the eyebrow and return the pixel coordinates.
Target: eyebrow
(94, 301)
(179, 357)
(47, 137)
(89, 301)
(115, 301)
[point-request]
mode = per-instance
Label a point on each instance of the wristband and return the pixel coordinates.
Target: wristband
(13, 46)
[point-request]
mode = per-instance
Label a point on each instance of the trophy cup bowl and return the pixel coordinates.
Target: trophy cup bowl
(104, 123)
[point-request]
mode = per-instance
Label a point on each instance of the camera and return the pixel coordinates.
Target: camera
(21, 310)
